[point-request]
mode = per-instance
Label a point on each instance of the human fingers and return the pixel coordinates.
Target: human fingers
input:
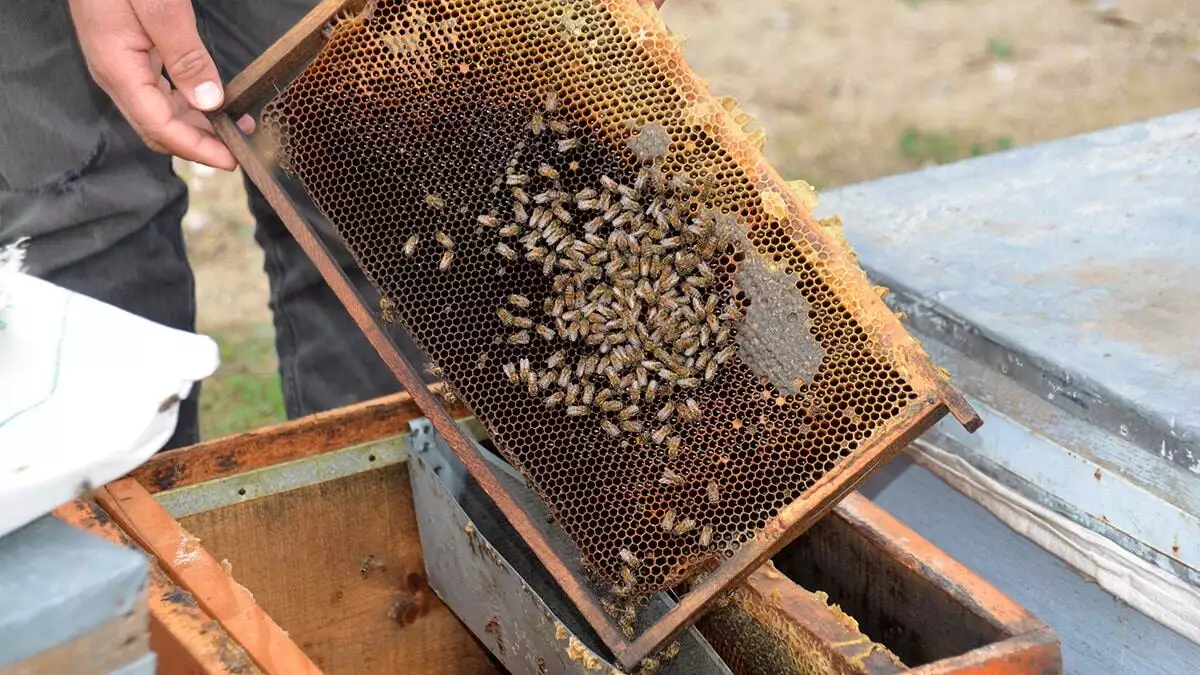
(171, 27)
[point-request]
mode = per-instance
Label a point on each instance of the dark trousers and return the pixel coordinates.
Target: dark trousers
(102, 212)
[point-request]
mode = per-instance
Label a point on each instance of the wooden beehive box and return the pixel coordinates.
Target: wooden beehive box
(298, 551)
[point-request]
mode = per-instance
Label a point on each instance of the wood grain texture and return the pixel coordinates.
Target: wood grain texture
(304, 553)
(185, 640)
(194, 568)
(274, 67)
(772, 626)
(364, 422)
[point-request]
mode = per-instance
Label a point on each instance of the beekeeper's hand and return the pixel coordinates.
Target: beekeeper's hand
(127, 43)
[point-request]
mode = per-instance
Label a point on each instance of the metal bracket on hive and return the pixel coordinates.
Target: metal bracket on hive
(933, 395)
(482, 569)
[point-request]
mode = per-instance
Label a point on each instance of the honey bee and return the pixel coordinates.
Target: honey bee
(444, 239)
(518, 338)
(714, 492)
(651, 391)
(627, 629)
(723, 336)
(609, 184)
(664, 413)
(679, 183)
(505, 251)
(568, 144)
(537, 124)
(577, 411)
(545, 332)
(482, 362)
(684, 526)
(673, 444)
(551, 102)
(435, 201)
(516, 179)
(433, 369)
(610, 428)
(556, 359)
(611, 406)
(505, 316)
(628, 576)
(688, 382)
(572, 394)
(522, 322)
(564, 377)
(522, 198)
(447, 258)
(368, 563)
(706, 535)
(723, 355)
(628, 412)
(547, 171)
(710, 371)
(691, 409)
(629, 558)
(631, 426)
(546, 380)
(668, 520)
(669, 477)
(564, 216)
(526, 371)
(386, 313)
(660, 434)
(558, 127)
(510, 230)
(589, 393)
(410, 245)
(510, 371)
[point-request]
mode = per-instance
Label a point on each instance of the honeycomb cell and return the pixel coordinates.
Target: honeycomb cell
(469, 152)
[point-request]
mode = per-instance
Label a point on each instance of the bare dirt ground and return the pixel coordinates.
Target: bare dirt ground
(847, 91)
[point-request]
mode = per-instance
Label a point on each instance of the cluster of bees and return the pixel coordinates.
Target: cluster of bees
(637, 316)
(437, 203)
(636, 307)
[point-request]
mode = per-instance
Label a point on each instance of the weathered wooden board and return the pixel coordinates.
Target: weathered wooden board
(303, 554)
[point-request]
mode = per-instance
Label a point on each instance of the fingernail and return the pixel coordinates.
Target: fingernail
(207, 95)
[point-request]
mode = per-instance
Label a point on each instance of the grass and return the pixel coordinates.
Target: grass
(933, 147)
(244, 394)
(1001, 50)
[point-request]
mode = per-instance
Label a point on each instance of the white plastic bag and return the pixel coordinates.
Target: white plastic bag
(87, 393)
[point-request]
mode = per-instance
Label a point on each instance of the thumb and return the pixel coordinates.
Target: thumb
(171, 26)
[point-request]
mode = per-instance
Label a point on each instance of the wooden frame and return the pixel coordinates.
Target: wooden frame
(275, 67)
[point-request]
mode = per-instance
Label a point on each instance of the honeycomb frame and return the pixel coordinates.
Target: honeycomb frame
(925, 393)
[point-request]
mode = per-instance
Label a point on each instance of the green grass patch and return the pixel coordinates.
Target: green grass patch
(1001, 50)
(933, 147)
(244, 393)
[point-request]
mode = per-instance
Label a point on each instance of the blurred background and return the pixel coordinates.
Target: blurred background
(847, 92)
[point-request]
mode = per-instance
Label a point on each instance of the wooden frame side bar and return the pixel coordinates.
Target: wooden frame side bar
(184, 638)
(194, 568)
(273, 67)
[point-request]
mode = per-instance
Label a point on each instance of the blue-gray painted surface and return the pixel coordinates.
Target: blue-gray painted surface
(1072, 265)
(57, 583)
(1100, 634)
(1141, 502)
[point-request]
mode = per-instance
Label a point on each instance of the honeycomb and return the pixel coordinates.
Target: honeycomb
(591, 249)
